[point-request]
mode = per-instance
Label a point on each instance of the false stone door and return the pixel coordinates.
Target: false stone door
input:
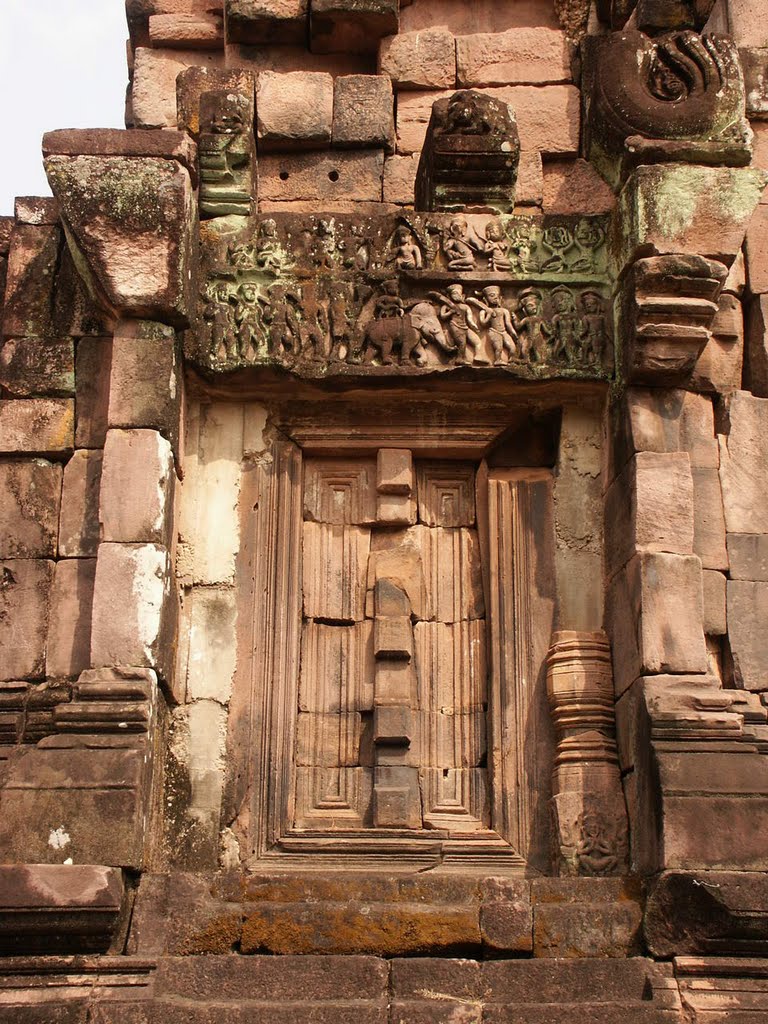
(393, 687)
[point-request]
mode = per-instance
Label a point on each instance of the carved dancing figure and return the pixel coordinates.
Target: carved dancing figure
(532, 329)
(462, 327)
(497, 320)
(496, 246)
(558, 240)
(568, 329)
(406, 253)
(339, 321)
(594, 320)
(458, 247)
(314, 328)
(284, 332)
(219, 313)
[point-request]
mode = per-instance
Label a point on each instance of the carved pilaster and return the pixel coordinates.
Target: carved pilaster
(589, 815)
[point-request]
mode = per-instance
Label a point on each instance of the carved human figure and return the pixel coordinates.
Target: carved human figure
(389, 303)
(339, 320)
(521, 258)
(496, 246)
(225, 148)
(407, 254)
(532, 329)
(219, 313)
(314, 328)
(497, 320)
(248, 317)
(557, 239)
(324, 252)
(568, 329)
(594, 321)
(456, 313)
(283, 324)
(458, 247)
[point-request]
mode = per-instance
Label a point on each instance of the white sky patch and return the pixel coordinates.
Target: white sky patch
(62, 65)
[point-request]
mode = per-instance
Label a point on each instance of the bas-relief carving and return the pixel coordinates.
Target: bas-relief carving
(322, 295)
(226, 154)
(676, 97)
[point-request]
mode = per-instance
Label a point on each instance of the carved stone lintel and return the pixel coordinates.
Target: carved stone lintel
(589, 814)
(470, 155)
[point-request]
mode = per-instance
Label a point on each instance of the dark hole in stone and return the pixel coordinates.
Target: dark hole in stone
(284, 175)
(333, 175)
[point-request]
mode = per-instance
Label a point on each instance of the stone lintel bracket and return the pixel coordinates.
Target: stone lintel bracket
(669, 304)
(675, 98)
(59, 908)
(128, 212)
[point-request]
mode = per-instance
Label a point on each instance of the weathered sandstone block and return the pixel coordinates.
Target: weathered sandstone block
(130, 222)
(400, 179)
(574, 186)
(525, 56)
(650, 507)
(321, 177)
(743, 453)
(713, 584)
(186, 31)
(756, 250)
(719, 367)
(153, 94)
(25, 595)
(420, 60)
(37, 426)
(35, 210)
(136, 487)
(294, 110)
(33, 366)
(145, 385)
(29, 509)
(92, 370)
(266, 21)
(680, 208)
(136, 578)
(68, 650)
(708, 518)
(586, 917)
(747, 630)
(748, 555)
(351, 26)
(31, 279)
(363, 112)
(167, 144)
(756, 344)
(654, 615)
(79, 522)
(212, 654)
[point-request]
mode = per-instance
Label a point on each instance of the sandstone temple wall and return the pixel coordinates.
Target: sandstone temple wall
(384, 522)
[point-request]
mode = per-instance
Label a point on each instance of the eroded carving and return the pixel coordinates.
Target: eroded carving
(678, 97)
(226, 154)
(470, 155)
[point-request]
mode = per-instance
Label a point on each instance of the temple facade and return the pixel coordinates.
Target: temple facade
(384, 523)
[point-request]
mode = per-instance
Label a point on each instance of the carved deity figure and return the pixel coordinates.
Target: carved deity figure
(457, 246)
(596, 854)
(270, 256)
(456, 314)
(315, 328)
(532, 329)
(339, 320)
(283, 324)
(225, 149)
(496, 246)
(594, 321)
(558, 240)
(521, 259)
(568, 329)
(497, 320)
(407, 254)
